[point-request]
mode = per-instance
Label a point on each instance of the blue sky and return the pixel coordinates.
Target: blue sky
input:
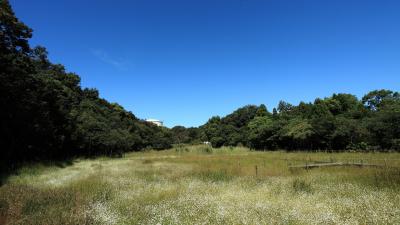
(185, 61)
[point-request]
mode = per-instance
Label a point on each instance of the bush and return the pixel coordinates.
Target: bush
(358, 146)
(217, 142)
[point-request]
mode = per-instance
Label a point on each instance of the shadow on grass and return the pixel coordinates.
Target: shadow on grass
(8, 169)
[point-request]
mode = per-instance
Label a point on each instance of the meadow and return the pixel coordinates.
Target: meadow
(201, 185)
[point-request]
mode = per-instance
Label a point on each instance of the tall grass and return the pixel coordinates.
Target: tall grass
(199, 184)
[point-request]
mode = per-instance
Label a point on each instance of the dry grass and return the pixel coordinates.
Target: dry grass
(195, 185)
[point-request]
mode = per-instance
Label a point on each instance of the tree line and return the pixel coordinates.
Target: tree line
(46, 114)
(339, 122)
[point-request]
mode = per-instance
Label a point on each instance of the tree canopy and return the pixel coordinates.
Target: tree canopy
(45, 114)
(339, 122)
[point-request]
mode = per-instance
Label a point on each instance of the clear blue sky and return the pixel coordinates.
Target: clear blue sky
(185, 61)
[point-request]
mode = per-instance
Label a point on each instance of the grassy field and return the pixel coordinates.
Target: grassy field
(200, 185)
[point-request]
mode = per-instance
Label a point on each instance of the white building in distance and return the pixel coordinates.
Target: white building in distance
(155, 122)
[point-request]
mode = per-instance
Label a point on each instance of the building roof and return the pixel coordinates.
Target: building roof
(153, 120)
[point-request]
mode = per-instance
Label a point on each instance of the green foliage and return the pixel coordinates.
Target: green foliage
(47, 115)
(261, 130)
(396, 144)
(358, 146)
(182, 135)
(297, 129)
(232, 129)
(262, 111)
(339, 122)
(375, 99)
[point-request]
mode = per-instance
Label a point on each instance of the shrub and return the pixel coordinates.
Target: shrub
(358, 146)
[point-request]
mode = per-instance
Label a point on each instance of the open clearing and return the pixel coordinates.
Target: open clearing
(199, 185)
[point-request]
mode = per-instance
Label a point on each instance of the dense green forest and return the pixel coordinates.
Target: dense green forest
(340, 122)
(46, 114)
